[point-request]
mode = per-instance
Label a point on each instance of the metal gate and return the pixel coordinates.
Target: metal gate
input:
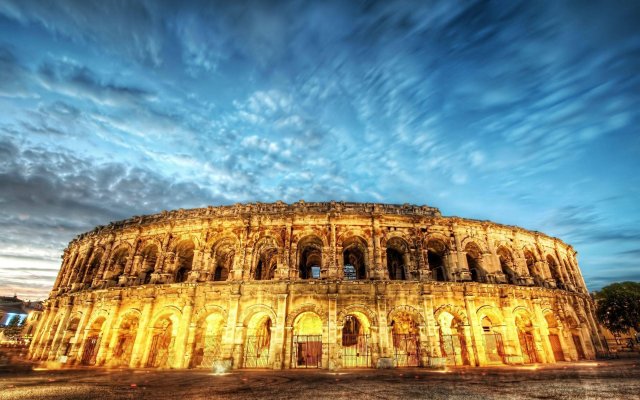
(579, 349)
(528, 348)
(407, 350)
(204, 357)
(554, 340)
(307, 351)
(454, 349)
(90, 351)
(355, 351)
(159, 352)
(493, 347)
(256, 351)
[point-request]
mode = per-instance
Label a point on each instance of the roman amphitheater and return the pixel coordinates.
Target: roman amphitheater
(315, 285)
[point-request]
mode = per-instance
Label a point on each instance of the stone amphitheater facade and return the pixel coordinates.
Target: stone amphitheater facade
(315, 285)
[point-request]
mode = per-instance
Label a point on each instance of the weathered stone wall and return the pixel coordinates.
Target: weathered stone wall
(280, 286)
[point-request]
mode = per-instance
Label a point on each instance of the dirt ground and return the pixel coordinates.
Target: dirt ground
(615, 379)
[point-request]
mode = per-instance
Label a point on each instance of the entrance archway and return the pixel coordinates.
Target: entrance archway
(453, 344)
(257, 342)
(406, 340)
(208, 341)
(162, 342)
(493, 343)
(554, 336)
(526, 338)
(307, 341)
(356, 341)
(92, 342)
(126, 338)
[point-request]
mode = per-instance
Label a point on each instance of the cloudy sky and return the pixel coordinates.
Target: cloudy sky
(521, 113)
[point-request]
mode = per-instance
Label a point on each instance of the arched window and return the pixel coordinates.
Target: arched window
(184, 260)
(436, 251)
(354, 255)
(310, 259)
(474, 255)
(507, 265)
(397, 258)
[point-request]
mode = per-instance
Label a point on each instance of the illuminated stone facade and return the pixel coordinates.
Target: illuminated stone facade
(315, 285)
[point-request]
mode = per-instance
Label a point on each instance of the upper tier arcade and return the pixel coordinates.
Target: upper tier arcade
(313, 241)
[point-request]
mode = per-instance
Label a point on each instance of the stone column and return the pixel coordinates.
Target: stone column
(278, 336)
(139, 353)
(181, 356)
(46, 332)
(383, 325)
(547, 350)
(38, 335)
(433, 334)
(332, 323)
(107, 331)
(74, 356)
(333, 264)
(228, 340)
(511, 341)
(475, 329)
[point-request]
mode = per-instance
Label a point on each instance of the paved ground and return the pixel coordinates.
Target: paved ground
(616, 379)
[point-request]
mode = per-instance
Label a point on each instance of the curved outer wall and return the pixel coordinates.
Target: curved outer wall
(329, 285)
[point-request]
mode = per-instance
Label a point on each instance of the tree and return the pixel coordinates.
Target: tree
(618, 306)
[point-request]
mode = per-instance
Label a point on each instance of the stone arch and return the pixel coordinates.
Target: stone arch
(507, 264)
(255, 309)
(207, 310)
(475, 241)
(554, 333)
(265, 258)
(149, 252)
(307, 308)
(210, 323)
(398, 257)
(494, 315)
(127, 330)
(184, 257)
(117, 261)
(310, 256)
(306, 232)
(554, 269)
(223, 252)
(457, 311)
(103, 313)
(359, 308)
(475, 262)
(437, 251)
(164, 329)
(93, 264)
(355, 253)
(407, 310)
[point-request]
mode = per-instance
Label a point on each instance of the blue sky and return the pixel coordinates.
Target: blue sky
(523, 113)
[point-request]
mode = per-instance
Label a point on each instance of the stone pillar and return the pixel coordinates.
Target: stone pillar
(74, 356)
(139, 353)
(547, 351)
(61, 332)
(278, 336)
(332, 323)
(333, 264)
(46, 333)
(475, 330)
(36, 343)
(433, 334)
(383, 325)
(511, 340)
(229, 338)
(107, 331)
(181, 356)
(377, 272)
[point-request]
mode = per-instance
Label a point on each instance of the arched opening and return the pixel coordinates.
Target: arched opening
(507, 265)
(532, 268)
(184, 260)
(397, 259)
(307, 341)
(405, 333)
(310, 257)
(208, 341)
(356, 350)
(266, 260)
(555, 271)
(453, 344)
(258, 342)
(162, 342)
(574, 329)
(526, 338)
(117, 265)
(436, 251)
(570, 275)
(70, 332)
(223, 256)
(94, 266)
(354, 259)
(474, 261)
(149, 257)
(492, 338)
(126, 338)
(554, 336)
(92, 342)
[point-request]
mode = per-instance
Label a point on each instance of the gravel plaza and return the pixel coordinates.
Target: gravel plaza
(611, 379)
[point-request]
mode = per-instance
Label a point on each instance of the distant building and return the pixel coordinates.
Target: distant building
(18, 318)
